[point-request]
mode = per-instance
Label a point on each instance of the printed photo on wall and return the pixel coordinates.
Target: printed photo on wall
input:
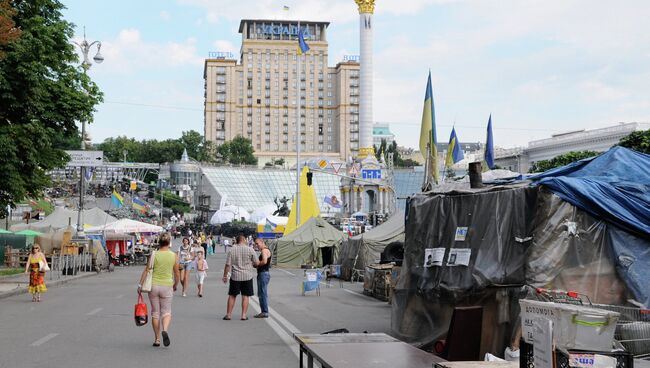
(433, 256)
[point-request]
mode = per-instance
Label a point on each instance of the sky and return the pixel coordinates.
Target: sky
(539, 67)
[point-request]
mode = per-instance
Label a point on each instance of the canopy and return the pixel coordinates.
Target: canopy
(614, 186)
(308, 243)
(222, 217)
(28, 233)
(124, 226)
(62, 217)
(261, 213)
(364, 249)
(3, 231)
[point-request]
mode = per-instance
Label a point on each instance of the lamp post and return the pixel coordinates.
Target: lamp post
(85, 47)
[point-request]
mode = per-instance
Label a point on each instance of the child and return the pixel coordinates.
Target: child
(201, 271)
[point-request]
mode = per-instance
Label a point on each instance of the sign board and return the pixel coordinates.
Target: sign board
(85, 158)
(336, 166)
(459, 257)
(543, 343)
(134, 185)
(433, 257)
(322, 164)
(461, 233)
(371, 174)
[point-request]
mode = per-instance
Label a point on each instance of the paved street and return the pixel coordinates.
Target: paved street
(89, 323)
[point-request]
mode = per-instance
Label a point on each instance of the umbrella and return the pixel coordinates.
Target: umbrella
(126, 226)
(3, 231)
(29, 233)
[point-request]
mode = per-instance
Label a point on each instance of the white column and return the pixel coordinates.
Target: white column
(366, 75)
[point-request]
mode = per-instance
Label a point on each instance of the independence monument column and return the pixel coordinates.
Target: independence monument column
(366, 9)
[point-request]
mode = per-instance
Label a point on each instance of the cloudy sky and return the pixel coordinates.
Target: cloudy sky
(539, 67)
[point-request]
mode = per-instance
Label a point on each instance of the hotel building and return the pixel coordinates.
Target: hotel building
(257, 95)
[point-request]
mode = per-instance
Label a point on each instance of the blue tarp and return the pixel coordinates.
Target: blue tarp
(614, 186)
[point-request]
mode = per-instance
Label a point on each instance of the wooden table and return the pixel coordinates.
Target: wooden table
(361, 350)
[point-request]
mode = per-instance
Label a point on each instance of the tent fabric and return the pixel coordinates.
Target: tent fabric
(62, 217)
(124, 226)
(364, 249)
(614, 186)
(303, 245)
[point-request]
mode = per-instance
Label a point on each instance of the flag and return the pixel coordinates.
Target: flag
(138, 204)
(454, 153)
(428, 130)
(285, 8)
(302, 45)
(117, 199)
(332, 201)
(489, 148)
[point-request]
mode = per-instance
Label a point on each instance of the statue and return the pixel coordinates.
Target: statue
(366, 6)
(283, 209)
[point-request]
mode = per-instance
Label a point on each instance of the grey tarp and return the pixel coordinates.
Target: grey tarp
(303, 245)
(517, 235)
(364, 249)
(62, 217)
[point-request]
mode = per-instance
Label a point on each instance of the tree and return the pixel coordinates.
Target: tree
(450, 173)
(238, 151)
(638, 141)
(176, 203)
(565, 159)
(197, 147)
(43, 93)
(8, 30)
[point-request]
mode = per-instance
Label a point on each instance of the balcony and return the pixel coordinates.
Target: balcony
(354, 84)
(221, 81)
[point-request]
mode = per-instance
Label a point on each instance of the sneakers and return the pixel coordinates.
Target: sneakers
(262, 315)
(184, 295)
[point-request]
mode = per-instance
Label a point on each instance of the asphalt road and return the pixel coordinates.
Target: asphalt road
(89, 323)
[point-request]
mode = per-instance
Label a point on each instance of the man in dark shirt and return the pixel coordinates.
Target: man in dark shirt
(263, 277)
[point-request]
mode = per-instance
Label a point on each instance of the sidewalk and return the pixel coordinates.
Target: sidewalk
(17, 284)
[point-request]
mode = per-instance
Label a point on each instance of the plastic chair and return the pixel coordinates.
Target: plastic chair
(311, 281)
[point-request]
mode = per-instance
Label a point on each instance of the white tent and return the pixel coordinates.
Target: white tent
(124, 226)
(222, 217)
(261, 213)
(62, 217)
(240, 212)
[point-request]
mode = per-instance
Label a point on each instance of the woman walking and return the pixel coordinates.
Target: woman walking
(35, 265)
(165, 277)
(185, 258)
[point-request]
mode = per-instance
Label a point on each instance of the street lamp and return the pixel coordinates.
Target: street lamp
(85, 47)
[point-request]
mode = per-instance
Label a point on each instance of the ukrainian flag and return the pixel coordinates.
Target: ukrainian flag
(138, 204)
(117, 199)
(302, 45)
(454, 153)
(428, 130)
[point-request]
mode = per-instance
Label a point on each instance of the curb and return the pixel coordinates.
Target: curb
(54, 283)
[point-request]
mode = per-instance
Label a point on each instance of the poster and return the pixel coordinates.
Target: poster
(461, 233)
(433, 256)
(459, 257)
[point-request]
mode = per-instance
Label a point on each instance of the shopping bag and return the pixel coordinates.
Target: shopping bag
(141, 315)
(42, 266)
(146, 285)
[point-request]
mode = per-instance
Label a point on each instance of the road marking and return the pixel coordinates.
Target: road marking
(353, 292)
(45, 339)
(283, 333)
(119, 296)
(94, 311)
(285, 271)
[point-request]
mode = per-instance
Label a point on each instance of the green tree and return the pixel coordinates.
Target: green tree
(8, 30)
(238, 151)
(565, 159)
(638, 141)
(176, 203)
(43, 93)
(197, 147)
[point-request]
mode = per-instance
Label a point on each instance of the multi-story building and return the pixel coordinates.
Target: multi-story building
(381, 131)
(258, 95)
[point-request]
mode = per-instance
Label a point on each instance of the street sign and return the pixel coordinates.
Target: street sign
(371, 174)
(322, 164)
(85, 158)
(336, 166)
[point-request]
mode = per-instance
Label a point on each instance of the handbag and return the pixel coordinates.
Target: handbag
(42, 266)
(146, 285)
(141, 314)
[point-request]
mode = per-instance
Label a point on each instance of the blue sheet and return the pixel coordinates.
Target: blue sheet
(614, 186)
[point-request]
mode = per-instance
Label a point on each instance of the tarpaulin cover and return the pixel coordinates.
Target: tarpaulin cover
(303, 245)
(364, 249)
(62, 217)
(614, 186)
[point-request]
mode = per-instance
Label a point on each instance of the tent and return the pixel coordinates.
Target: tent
(62, 217)
(579, 228)
(315, 242)
(261, 213)
(124, 226)
(361, 250)
(229, 214)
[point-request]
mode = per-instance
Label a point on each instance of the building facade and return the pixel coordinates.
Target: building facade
(381, 131)
(258, 95)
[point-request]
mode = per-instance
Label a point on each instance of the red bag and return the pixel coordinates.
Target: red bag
(141, 314)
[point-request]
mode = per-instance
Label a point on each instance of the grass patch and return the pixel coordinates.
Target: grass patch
(11, 271)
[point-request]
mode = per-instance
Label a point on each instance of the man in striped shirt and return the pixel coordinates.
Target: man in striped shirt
(240, 266)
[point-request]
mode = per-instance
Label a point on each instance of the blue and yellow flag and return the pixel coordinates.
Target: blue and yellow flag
(454, 153)
(138, 204)
(428, 130)
(117, 200)
(488, 161)
(302, 45)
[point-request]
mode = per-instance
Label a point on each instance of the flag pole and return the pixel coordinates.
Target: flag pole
(298, 85)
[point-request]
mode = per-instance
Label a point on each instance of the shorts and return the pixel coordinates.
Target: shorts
(200, 277)
(244, 288)
(185, 266)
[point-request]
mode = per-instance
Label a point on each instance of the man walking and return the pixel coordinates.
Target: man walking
(263, 277)
(240, 261)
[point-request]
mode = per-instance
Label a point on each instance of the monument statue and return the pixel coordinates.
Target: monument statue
(283, 209)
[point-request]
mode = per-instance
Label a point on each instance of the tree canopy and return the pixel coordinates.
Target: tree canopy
(43, 93)
(238, 151)
(561, 160)
(638, 141)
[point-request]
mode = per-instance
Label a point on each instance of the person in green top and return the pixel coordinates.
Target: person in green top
(165, 276)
